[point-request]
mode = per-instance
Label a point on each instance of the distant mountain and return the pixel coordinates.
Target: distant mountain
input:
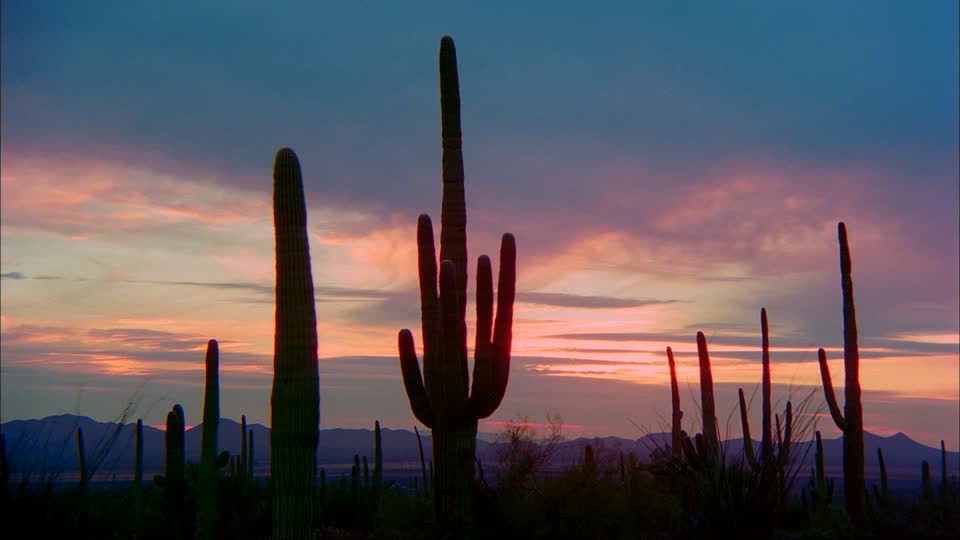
(41, 448)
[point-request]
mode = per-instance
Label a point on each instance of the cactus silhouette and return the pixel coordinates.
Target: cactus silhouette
(295, 400)
(243, 443)
(711, 434)
(442, 398)
(766, 438)
(850, 422)
(377, 467)
(207, 492)
(677, 416)
(745, 422)
(82, 460)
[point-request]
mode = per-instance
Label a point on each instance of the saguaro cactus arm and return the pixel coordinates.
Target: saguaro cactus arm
(828, 393)
(491, 368)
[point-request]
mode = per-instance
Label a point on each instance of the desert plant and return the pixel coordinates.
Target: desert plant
(442, 398)
(850, 422)
(82, 460)
(377, 490)
(711, 434)
(243, 445)
(677, 414)
(206, 522)
(766, 438)
(295, 398)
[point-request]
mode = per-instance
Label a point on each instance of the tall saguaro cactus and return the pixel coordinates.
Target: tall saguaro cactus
(766, 438)
(677, 414)
(850, 422)
(207, 495)
(442, 398)
(295, 401)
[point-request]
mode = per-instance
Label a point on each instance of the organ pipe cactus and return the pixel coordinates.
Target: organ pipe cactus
(677, 415)
(442, 397)
(711, 435)
(207, 493)
(295, 399)
(850, 421)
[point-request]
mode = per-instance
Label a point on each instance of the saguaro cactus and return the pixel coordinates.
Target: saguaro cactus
(82, 460)
(442, 399)
(138, 457)
(173, 462)
(677, 416)
(745, 422)
(243, 444)
(207, 495)
(850, 422)
(295, 401)
(711, 433)
(766, 438)
(377, 467)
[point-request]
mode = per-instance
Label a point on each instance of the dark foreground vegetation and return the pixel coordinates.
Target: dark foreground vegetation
(691, 489)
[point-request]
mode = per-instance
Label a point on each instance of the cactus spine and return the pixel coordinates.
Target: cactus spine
(442, 398)
(850, 422)
(677, 416)
(295, 399)
(711, 435)
(207, 494)
(82, 460)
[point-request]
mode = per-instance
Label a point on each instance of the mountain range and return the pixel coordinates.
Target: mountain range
(46, 448)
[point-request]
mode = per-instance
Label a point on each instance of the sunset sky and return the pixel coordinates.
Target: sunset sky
(666, 168)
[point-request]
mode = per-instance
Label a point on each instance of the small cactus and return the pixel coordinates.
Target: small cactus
(677, 414)
(82, 460)
(745, 422)
(711, 434)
